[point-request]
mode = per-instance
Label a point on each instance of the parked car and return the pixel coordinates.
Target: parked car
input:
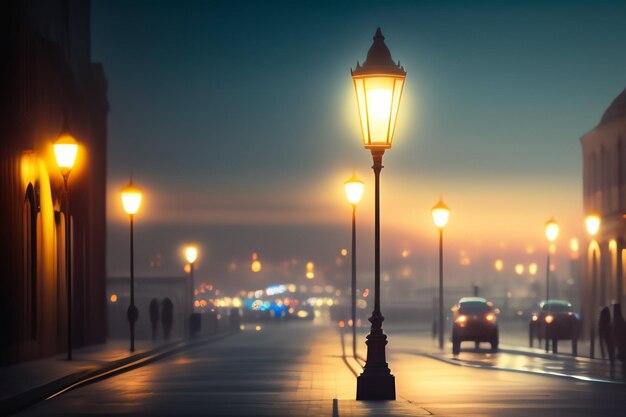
(555, 321)
(474, 320)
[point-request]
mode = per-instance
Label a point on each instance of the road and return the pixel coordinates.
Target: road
(297, 369)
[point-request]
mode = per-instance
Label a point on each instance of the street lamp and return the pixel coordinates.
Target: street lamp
(131, 200)
(191, 254)
(592, 223)
(552, 232)
(441, 213)
(65, 150)
(354, 192)
(378, 85)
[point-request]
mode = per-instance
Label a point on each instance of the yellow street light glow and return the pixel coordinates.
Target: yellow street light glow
(65, 150)
(378, 85)
(256, 266)
(113, 298)
(441, 213)
(498, 265)
(573, 244)
(354, 189)
(344, 252)
(519, 269)
(532, 269)
(592, 222)
(552, 230)
(191, 254)
(131, 198)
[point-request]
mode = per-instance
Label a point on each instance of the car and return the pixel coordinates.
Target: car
(474, 320)
(555, 321)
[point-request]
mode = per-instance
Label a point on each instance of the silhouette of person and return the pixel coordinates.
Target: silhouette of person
(154, 317)
(604, 331)
(167, 317)
(619, 329)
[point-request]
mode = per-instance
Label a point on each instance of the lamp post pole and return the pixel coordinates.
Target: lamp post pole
(65, 150)
(68, 265)
(131, 200)
(191, 254)
(354, 280)
(354, 191)
(592, 223)
(132, 310)
(441, 288)
(592, 329)
(440, 213)
(548, 278)
(552, 232)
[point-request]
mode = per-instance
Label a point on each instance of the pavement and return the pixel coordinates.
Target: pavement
(26, 383)
(307, 369)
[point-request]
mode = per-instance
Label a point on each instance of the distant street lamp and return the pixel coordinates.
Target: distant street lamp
(552, 232)
(354, 192)
(441, 213)
(131, 200)
(378, 85)
(65, 150)
(592, 223)
(191, 254)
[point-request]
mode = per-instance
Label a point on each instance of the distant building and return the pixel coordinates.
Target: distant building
(604, 193)
(47, 75)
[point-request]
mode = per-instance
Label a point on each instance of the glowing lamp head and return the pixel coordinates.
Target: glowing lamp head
(65, 150)
(592, 222)
(191, 254)
(552, 230)
(354, 190)
(378, 85)
(441, 213)
(131, 198)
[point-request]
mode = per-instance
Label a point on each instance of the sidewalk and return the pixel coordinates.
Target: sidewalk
(25, 383)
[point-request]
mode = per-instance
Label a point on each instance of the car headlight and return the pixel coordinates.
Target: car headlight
(461, 319)
(490, 317)
(534, 318)
(549, 319)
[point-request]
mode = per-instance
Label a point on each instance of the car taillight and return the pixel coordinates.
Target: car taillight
(549, 319)
(490, 317)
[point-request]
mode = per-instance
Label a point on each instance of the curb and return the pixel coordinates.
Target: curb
(77, 379)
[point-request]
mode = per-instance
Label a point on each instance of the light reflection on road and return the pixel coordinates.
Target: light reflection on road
(509, 359)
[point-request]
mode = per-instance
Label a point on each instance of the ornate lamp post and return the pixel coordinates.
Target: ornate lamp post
(552, 232)
(592, 223)
(441, 213)
(378, 85)
(354, 192)
(65, 150)
(131, 200)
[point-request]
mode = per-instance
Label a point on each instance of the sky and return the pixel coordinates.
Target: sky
(239, 122)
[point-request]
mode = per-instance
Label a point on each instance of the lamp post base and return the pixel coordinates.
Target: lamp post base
(376, 382)
(371, 386)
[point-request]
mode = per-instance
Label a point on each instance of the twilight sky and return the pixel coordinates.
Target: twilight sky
(239, 121)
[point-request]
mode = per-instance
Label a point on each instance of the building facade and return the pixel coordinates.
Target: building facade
(48, 77)
(604, 194)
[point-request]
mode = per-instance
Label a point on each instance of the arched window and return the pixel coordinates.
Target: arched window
(29, 228)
